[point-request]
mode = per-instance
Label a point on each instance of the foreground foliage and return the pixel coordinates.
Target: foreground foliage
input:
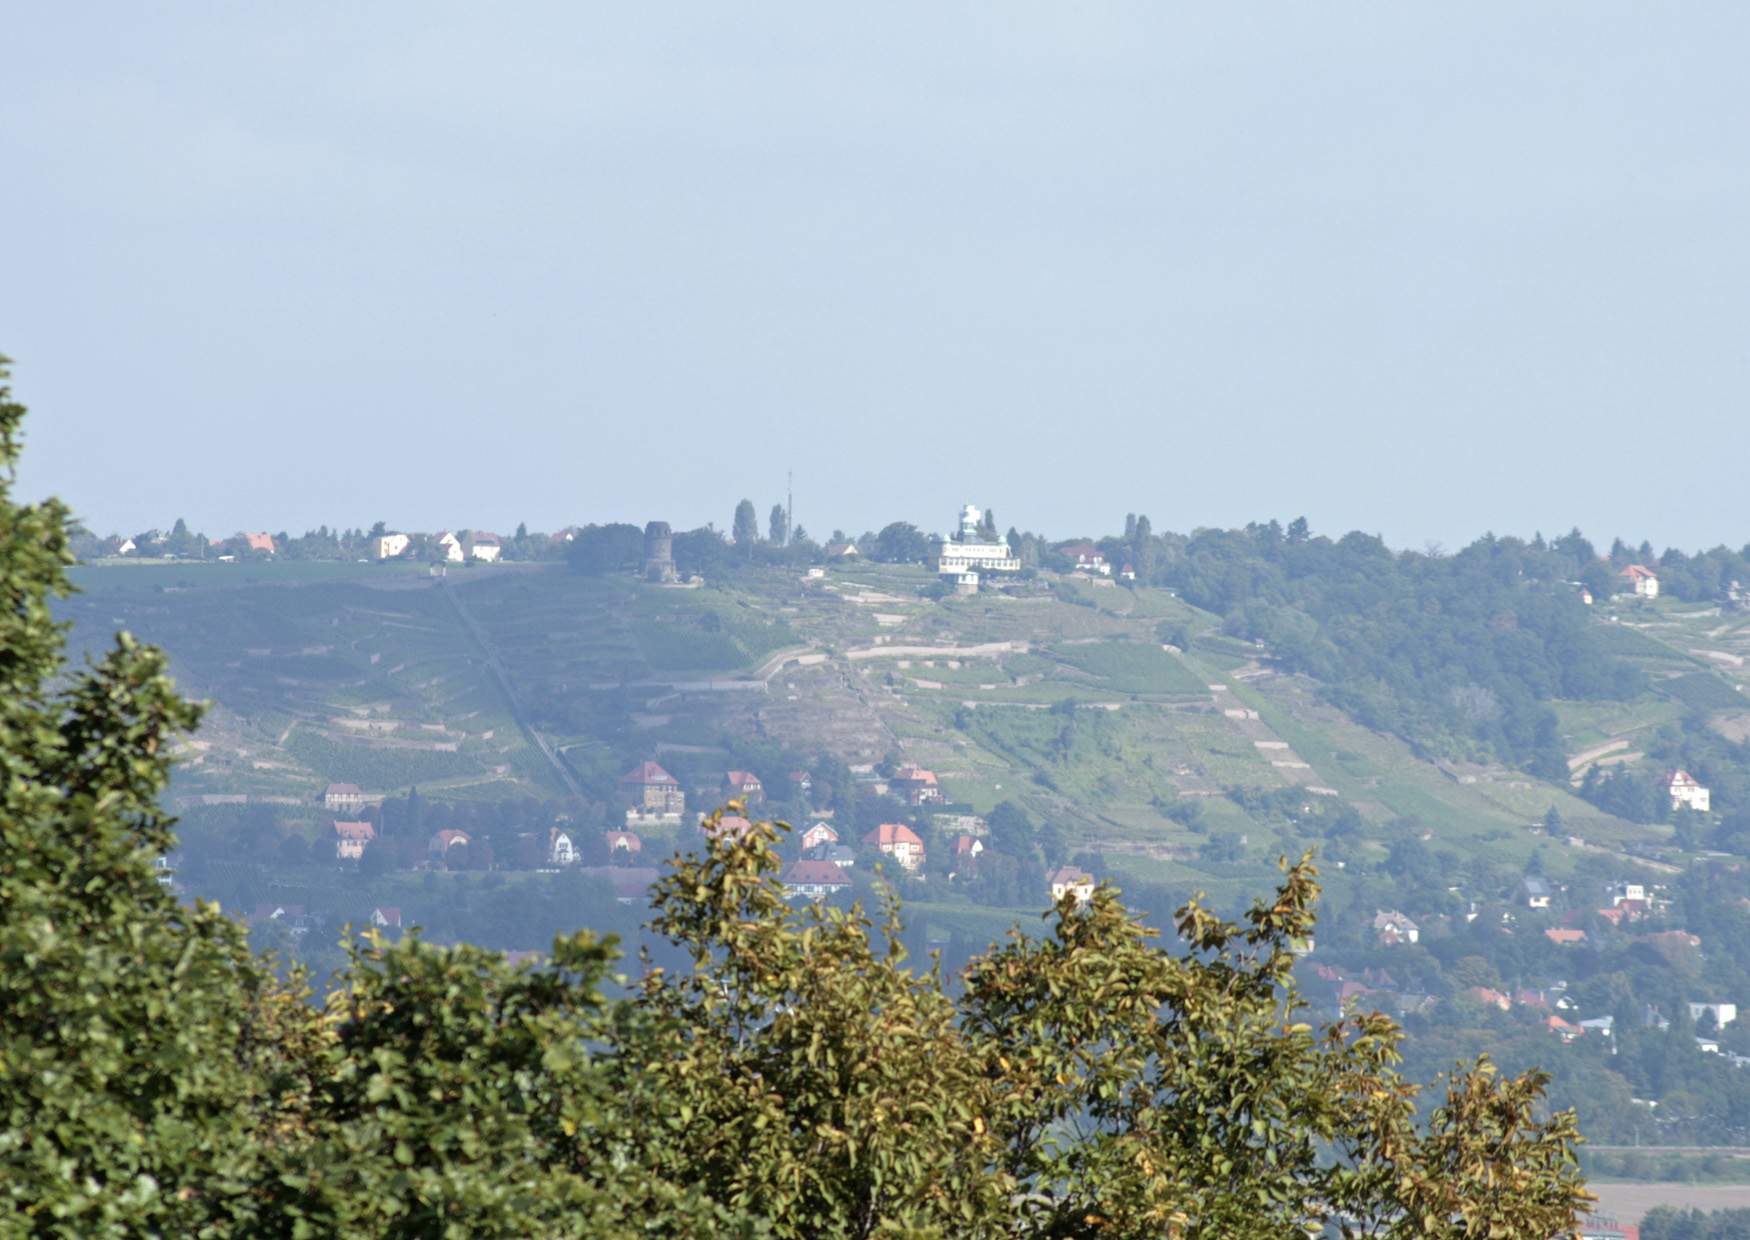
(789, 1074)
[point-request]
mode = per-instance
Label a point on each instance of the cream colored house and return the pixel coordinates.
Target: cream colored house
(389, 546)
(1642, 580)
(351, 839)
(899, 842)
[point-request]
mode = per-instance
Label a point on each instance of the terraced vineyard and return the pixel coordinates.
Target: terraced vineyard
(529, 680)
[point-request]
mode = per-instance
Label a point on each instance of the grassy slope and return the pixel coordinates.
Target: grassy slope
(320, 672)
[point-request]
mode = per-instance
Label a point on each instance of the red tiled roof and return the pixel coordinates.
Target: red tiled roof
(623, 839)
(343, 790)
(355, 831)
(808, 872)
(889, 834)
(1634, 572)
(732, 825)
(443, 840)
(648, 773)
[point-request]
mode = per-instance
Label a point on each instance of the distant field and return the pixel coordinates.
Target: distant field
(1704, 691)
(1132, 667)
(1630, 1202)
(199, 574)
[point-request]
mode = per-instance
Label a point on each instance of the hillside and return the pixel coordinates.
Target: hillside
(1063, 699)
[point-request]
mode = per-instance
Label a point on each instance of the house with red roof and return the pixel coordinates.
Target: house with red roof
(651, 793)
(257, 542)
(1088, 559)
(482, 545)
(733, 826)
(917, 785)
(622, 843)
(1567, 1032)
(1640, 579)
(820, 833)
(744, 786)
(440, 844)
(1492, 998)
(351, 839)
(813, 880)
(1562, 937)
(898, 841)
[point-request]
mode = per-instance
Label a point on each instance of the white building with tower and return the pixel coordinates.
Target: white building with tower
(960, 558)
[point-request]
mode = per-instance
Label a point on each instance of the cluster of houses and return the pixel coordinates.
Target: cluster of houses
(1628, 901)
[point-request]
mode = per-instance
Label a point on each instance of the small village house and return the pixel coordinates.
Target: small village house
(818, 834)
(1723, 1013)
(561, 849)
(441, 842)
(1641, 580)
(732, 826)
(1391, 928)
(1564, 937)
(449, 547)
(1069, 881)
(622, 843)
(343, 797)
(649, 792)
(1087, 559)
(743, 786)
(898, 841)
(916, 785)
(262, 543)
(1686, 792)
(482, 545)
(351, 839)
(814, 880)
(1536, 890)
(841, 855)
(390, 546)
(386, 917)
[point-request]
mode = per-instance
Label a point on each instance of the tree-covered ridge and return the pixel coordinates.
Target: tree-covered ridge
(787, 1075)
(1458, 654)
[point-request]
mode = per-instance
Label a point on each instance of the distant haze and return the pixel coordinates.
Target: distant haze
(1422, 271)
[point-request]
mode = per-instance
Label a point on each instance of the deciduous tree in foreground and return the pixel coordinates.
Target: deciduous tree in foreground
(794, 1076)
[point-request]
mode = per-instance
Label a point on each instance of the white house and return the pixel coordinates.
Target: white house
(899, 842)
(819, 833)
(560, 849)
(389, 546)
(1685, 792)
(960, 558)
(1723, 1013)
(343, 797)
(1537, 892)
(483, 546)
(1069, 881)
(1642, 580)
(450, 547)
(1088, 559)
(1626, 891)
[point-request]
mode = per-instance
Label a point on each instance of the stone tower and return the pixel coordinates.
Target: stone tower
(659, 552)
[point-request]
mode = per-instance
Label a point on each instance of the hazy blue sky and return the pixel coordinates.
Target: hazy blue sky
(1424, 271)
